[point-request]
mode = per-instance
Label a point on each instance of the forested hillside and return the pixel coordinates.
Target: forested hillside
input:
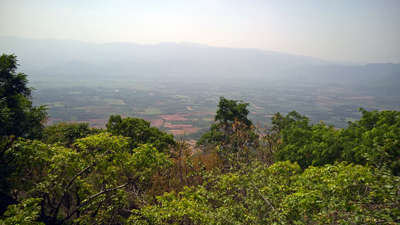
(289, 172)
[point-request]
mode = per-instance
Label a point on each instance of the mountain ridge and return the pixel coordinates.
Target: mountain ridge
(50, 57)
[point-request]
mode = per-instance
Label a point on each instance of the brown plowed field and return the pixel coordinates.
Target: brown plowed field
(186, 131)
(258, 107)
(252, 112)
(172, 117)
(155, 122)
(180, 128)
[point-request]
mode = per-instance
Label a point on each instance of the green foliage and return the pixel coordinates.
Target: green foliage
(344, 193)
(281, 194)
(18, 118)
(24, 213)
(233, 132)
(140, 132)
(184, 207)
(66, 133)
(315, 145)
(373, 139)
(229, 110)
(92, 179)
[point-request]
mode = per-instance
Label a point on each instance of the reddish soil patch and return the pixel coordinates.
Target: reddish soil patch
(257, 107)
(190, 130)
(172, 117)
(197, 113)
(155, 122)
(192, 144)
(186, 131)
(252, 112)
(180, 128)
(189, 108)
(159, 102)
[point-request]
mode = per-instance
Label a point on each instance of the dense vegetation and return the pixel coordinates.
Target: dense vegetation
(291, 172)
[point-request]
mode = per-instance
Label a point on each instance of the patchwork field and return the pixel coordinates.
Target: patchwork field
(179, 106)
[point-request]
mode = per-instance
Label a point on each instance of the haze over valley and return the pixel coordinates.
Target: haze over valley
(88, 82)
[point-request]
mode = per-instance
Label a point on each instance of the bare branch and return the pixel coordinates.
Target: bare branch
(91, 198)
(262, 195)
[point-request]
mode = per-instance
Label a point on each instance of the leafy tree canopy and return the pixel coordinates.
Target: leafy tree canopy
(139, 132)
(66, 133)
(18, 118)
(83, 183)
(228, 112)
(373, 139)
(283, 194)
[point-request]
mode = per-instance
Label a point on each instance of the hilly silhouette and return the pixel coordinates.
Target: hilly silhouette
(192, 61)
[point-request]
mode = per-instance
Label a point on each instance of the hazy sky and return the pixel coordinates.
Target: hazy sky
(354, 30)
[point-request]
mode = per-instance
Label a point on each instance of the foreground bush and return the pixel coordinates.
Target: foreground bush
(282, 194)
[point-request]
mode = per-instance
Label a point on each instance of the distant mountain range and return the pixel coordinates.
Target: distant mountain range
(193, 61)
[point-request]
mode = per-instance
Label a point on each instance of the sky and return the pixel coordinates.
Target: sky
(340, 30)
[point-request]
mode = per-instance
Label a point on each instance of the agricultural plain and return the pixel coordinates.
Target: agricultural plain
(182, 106)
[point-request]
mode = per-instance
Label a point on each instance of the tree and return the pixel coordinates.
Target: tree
(233, 134)
(375, 139)
(139, 132)
(98, 181)
(24, 213)
(304, 143)
(66, 133)
(283, 194)
(228, 112)
(18, 118)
